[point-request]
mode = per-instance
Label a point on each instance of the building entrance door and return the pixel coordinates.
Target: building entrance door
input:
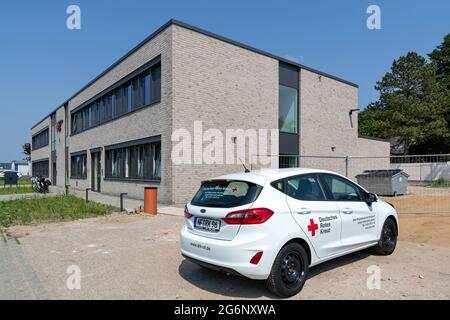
(96, 171)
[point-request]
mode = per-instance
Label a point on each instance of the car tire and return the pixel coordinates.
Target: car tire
(289, 271)
(388, 239)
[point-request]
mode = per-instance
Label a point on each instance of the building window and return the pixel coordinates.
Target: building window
(95, 118)
(113, 106)
(288, 161)
(288, 116)
(141, 161)
(126, 99)
(116, 163)
(136, 102)
(118, 105)
(40, 168)
(90, 116)
(74, 123)
(86, 119)
(142, 90)
(101, 111)
(78, 168)
(144, 83)
(108, 107)
(155, 90)
(156, 160)
(40, 140)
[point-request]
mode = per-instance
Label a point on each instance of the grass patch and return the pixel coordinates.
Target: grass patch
(15, 190)
(23, 181)
(49, 209)
(441, 183)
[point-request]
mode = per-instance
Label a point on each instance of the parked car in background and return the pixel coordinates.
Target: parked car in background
(274, 225)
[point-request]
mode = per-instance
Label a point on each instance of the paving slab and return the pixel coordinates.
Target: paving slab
(130, 204)
(18, 280)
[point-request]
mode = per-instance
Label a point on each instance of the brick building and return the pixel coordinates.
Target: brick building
(115, 134)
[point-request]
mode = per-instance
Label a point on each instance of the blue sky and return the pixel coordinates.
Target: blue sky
(42, 63)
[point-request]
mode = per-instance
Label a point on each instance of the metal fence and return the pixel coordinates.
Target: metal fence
(413, 183)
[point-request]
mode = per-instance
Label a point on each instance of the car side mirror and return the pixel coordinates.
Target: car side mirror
(371, 198)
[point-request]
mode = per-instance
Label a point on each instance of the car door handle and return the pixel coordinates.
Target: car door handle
(347, 210)
(303, 211)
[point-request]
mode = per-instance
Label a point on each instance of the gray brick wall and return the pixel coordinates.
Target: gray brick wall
(325, 123)
(43, 152)
(324, 115)
(155, 120)
(225, 87)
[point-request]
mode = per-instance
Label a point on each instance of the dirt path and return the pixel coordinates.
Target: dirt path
(419, 203)
(137, 257)
(430, 229)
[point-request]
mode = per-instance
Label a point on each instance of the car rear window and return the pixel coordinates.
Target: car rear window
(226, 194)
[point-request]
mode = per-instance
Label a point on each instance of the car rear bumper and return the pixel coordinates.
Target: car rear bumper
(229, 256)
(212, 266)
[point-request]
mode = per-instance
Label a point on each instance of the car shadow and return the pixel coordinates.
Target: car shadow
(240, 287)
(339, 262)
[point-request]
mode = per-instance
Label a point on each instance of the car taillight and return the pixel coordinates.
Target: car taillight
(249, 216)
(187, 214)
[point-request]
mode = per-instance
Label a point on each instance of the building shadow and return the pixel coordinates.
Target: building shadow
(240, 287)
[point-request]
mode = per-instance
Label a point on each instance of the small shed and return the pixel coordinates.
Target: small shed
(392, 182)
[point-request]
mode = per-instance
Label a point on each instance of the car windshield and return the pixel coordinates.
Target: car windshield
(226, 194)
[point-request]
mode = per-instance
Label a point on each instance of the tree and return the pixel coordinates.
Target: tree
(27, 151)
(440, 57)
(413, 105)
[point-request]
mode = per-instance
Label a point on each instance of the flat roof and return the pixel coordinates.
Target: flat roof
(207, 33)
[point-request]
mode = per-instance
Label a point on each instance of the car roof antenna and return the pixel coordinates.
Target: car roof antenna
(246, 169)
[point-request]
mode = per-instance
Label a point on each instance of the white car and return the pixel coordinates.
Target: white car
(274, 225)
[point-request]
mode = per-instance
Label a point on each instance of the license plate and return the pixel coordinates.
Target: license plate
(207, 224)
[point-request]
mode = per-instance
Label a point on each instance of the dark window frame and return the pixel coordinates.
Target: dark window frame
(127, 156)
(78, 173)
(297, 111)
(42, 166)
(153, 68)
(43, 135)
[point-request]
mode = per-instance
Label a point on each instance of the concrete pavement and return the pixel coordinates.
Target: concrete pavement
(17, 279)
(130, 204)
(10, 197)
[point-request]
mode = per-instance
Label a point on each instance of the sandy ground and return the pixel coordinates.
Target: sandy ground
(137, 257)
(429, 203)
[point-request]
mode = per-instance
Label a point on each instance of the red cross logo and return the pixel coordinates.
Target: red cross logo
(313, 227)
(234, 189)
